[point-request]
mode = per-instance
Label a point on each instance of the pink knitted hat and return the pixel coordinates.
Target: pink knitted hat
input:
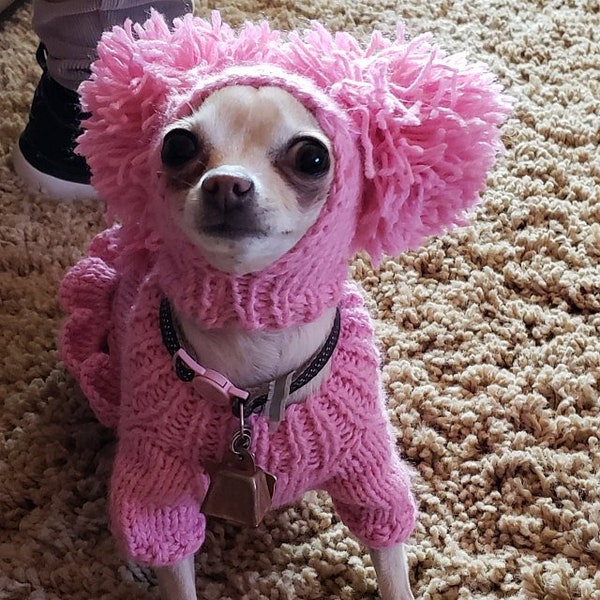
(414, 132)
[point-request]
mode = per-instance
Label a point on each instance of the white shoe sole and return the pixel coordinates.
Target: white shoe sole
(55, 188)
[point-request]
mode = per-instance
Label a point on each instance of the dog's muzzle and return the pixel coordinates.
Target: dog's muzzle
(228, 203)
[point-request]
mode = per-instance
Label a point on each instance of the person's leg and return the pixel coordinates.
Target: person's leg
(4, 4)
(69, 31)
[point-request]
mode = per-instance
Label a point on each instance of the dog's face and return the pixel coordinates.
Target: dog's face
(249, 172)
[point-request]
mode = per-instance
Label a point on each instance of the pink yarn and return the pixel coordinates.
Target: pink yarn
(338, 440)
(413, 132)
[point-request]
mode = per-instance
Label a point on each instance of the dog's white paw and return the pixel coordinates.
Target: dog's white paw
(391, 566)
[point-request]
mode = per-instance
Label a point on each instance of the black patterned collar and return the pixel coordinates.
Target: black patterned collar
(253, 400)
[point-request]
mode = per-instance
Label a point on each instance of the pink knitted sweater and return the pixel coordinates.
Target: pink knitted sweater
(413, 132)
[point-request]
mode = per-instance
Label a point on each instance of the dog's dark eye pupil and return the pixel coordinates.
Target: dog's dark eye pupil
(311, 158)
(179, 146)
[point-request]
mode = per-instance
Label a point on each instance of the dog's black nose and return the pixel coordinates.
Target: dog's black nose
(227, 192)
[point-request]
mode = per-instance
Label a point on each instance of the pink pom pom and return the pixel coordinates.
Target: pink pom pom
(425, 123)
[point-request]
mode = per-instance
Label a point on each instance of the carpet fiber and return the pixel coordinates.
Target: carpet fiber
(490, 338)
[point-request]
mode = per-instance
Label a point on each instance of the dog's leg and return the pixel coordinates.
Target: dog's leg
(177, 582)
(391, 566)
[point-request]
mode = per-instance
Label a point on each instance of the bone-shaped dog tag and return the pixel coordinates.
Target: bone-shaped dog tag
(239, 491)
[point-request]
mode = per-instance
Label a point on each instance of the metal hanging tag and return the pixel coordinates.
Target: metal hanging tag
(239, 491)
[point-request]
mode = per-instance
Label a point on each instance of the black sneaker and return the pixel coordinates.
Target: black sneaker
(44, 157)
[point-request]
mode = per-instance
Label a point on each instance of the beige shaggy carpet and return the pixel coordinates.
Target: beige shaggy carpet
(490, 338)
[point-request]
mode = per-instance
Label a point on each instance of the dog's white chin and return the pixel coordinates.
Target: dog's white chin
(245, 255)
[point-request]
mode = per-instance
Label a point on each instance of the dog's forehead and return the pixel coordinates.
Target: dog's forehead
(263, 116)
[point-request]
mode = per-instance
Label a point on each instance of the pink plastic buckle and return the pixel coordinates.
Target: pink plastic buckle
(212, 385)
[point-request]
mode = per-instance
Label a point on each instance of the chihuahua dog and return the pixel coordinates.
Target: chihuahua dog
(213, 325)
(251, 170)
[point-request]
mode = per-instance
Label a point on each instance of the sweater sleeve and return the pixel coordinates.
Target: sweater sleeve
(372, 492)
(155, 503)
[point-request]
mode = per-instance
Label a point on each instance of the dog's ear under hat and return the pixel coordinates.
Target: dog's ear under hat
(427, 124)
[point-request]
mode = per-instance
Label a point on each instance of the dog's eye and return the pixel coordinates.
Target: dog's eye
(308, 156)
(179, 146)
